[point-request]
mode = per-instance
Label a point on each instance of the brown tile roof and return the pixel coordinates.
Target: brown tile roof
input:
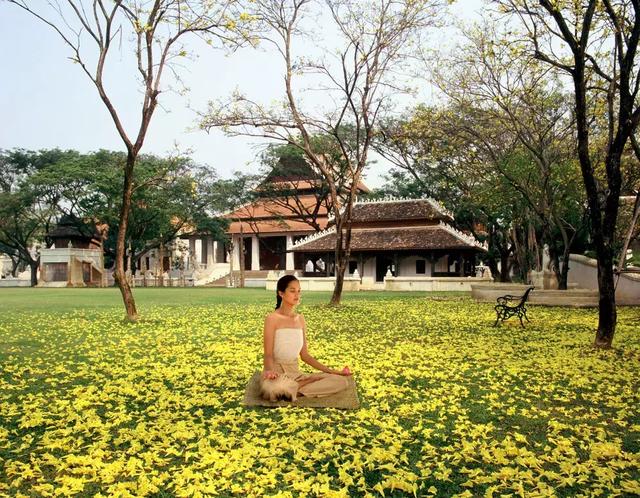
(288, 184)
(300, 184)
(439, 236)
(60, 232)
(273, 226)
(399, 209)
(267, 208)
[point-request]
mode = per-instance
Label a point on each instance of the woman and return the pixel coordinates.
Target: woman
(285, 341)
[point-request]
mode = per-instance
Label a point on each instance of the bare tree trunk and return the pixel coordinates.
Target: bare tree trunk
(15, 262)
(34, 264)
(492, 260)
(555, 265)
(492, 263)
(563, 282)
(337, 290)
(120, 276)
(563, 274)
(504, 266)
(161, 259)
(230, 253)
(340, 263)
(607, 315)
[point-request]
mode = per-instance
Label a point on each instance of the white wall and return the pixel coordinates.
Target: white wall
(441, 264)
(584, 272)
(408, 267)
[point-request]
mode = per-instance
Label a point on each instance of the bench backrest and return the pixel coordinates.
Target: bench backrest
(525, 296)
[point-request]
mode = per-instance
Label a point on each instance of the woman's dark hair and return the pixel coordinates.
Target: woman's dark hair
(281, 286)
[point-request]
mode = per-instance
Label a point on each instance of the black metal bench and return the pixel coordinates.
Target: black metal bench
(507, 307)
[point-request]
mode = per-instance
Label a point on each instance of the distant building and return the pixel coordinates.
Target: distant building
(395, 237)
(291, 205)
(75, 256)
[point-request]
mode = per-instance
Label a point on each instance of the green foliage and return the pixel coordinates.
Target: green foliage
(499, 151)
(170, 194)
(25, 211)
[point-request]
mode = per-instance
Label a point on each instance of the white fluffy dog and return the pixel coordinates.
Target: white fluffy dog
(282, 387)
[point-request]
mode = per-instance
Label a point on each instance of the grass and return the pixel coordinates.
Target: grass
(451, 406)
(56, 300)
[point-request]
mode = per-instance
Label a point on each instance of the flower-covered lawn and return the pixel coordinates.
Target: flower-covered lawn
(92, 406)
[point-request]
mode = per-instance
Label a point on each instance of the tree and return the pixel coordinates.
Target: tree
(373, 42)
(169, 196)
(435, 149)
(157, 28)
(22, 223)
(13, 255)
(25, 211)
(521, 95)
(595, 44)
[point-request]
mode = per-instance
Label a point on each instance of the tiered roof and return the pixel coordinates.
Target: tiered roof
(268, 216)
(396, 209)
(274, 213)
(395, 224)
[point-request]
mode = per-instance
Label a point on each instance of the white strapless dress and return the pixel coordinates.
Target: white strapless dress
(287, 345)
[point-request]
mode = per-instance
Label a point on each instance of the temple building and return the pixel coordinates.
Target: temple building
(291, 204)
(288, 228)
(394, 238)
(75, 256)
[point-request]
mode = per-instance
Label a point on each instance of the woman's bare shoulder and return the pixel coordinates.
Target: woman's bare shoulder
(271, 317)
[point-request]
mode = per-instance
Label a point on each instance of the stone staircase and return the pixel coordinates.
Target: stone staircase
(220, 282)
(251, 277)
(216, 272)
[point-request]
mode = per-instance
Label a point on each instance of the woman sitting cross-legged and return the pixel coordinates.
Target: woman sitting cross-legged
(285, 341)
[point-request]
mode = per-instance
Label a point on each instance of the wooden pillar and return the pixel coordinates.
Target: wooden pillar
(396, 264)
(360, 266)
(432, 260)
(461, 259)
(326, 265)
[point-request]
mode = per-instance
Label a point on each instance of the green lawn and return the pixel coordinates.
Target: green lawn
(92, 405)
(65, 300)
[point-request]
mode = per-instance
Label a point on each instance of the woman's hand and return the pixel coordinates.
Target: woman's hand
(269, 375)
(345, 371)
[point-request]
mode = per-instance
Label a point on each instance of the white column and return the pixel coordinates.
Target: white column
(210, 252)
(235, 256)
(290, 265)
(255, 253)
(214, 251)
(192, 252)
(198, 254)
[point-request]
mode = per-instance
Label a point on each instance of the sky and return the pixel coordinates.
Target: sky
(46, 101)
